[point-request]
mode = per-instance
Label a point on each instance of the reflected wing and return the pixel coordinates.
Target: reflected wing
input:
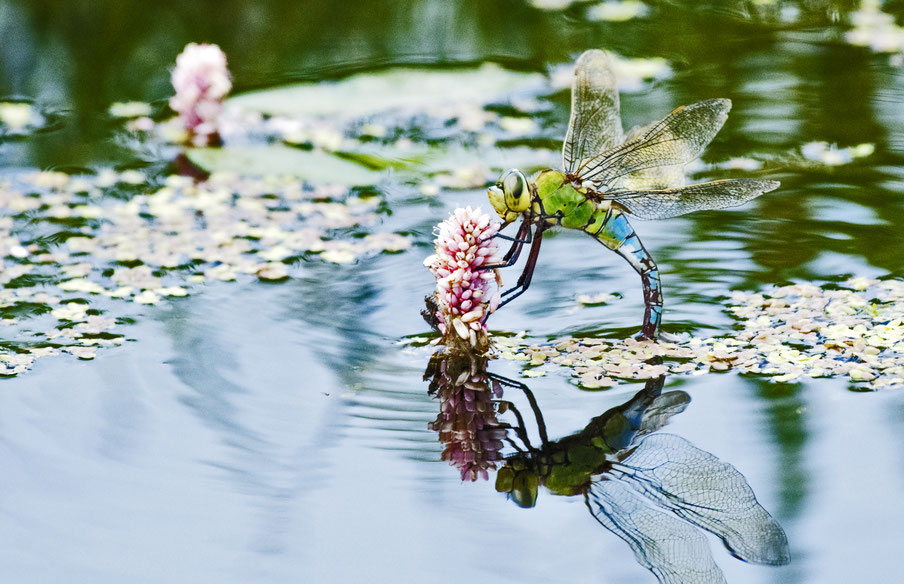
(676, 140)
(701, 489)
(663, 407)
(595, 123)
(664, 203)
(673, 550)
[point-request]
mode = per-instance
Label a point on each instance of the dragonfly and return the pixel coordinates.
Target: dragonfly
(608, 175)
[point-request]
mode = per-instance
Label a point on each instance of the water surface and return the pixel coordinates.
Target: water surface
(279, 432)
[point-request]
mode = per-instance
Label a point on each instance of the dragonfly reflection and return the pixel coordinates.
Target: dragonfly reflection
(656, 491)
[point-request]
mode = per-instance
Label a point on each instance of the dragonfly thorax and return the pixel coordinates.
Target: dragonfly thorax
(510, 196)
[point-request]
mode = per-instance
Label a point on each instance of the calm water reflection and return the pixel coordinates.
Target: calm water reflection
(649, 488)
(224, 443)
(280, 434)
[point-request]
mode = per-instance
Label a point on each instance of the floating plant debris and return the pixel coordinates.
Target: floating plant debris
(790, 333)
(76, 247)
(553, 4)
(808, 155)
(130, 109)
(18, 118)
(832, 155)
(618, 11)
(876, 30)
(596, 299)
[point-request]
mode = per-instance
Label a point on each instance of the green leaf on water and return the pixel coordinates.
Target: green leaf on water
(24, 310)
(280, 160)
(384, 158)
(423, 160)
(413, 89)
(493, 158)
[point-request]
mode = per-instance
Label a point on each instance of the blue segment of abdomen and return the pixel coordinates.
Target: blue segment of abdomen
(617, 234)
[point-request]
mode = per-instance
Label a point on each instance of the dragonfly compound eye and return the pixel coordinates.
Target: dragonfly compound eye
(515, 189)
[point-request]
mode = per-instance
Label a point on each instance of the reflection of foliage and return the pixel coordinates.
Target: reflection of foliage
(467, 423)
(784, 405)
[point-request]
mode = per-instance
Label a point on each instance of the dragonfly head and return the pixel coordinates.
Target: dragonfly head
(510, 196)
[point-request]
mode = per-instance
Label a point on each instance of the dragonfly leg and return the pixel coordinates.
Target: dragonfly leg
(510, 238)
(511, 256)
(538, 415)
(620, 237)
(528, 273)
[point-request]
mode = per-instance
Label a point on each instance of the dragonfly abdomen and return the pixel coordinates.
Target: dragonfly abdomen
(616, 233)
(608, 225)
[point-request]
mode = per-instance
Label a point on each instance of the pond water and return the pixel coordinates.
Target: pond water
(258, 431)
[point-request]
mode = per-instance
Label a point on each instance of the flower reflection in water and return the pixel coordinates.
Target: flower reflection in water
(467, 423)
(656, 491)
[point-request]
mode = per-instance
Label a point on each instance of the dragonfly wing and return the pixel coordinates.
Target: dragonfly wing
(673, 550)
(717, 194)
(658, 177)
(709, 493)
(677, 139)
(638, 131)
(595, 123)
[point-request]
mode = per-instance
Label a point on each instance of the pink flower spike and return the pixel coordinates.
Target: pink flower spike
(201, 80)
(495, 300)
(464, 242)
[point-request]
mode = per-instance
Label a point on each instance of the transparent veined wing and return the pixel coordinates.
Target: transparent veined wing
(677, 139)
(703, 490)
(673, 550)
(595, 123)
(657, 177)
(717, 194)
(660, 177)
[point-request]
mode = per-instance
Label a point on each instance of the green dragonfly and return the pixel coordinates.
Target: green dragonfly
(609, 174)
